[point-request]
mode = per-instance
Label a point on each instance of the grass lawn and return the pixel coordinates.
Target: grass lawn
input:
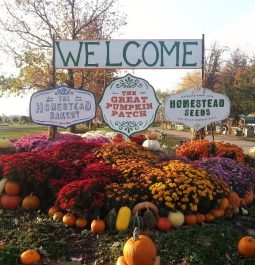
(19, 132)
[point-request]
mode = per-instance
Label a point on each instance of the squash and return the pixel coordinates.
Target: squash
(111, 220)
(144, 205)
(164, 224)
(12, 188)
(139, 250)
(10, 202)
(81, 222)
(246, 246)
(29, 257)
(123, 218)
(98, 225)
(52, 210)
(58, 216)
(69, 219)
(176, 218)
(149, 219)
(121, 261)
(190, 219)
(31, 202)
(152, 145)
(217, 213)
(200, 218)
(224, 204)
(234, 200)
(209, 217)
(136, 221)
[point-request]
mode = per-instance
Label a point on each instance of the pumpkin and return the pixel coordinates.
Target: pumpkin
(246, 246)
(2, 245)
(52, 211)
(224, 204)
(5, 143)
(209, 217)
(58, 216)
(190, 219)
(144, 205)
(200, 218)
(152, 145)
(139, 250)
(163, 224)
(176, 218)
(149, 219)
(217, 212)
(69, 219)
(234, 200)
(81, 222)
(31, 202)
(121, 261)
(136, 221)
(248, 197)
(30, 256)
(123, 218)
(10, 202)
(111, 220)
(251, 152)
(98, 225)
(12, 188)
(151, 135)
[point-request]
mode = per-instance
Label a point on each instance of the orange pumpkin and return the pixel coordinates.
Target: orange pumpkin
(69, 219)
(81, 222)
(246, 246)
(190, 219)
(139, 250)
(31, 202)
(151, 135)
(98, 225)
(30, 256)
(52, 211)
(234, 200)
(10, 202)
(2, 245)
(209, 217)
(121, 261)
(200, 218)
(224, 204)
(248, 197)
(58, 216)
(12, 188)
(217, 213)
(164, 224)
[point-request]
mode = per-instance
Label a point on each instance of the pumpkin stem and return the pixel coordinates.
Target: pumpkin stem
(136, 234)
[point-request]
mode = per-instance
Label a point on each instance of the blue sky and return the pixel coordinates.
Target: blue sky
(229, 22)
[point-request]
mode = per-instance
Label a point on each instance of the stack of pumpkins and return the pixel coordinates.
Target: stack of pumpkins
(11, 198)
(152, 142)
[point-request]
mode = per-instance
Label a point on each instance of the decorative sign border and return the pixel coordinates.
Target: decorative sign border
(121, 92)
(83, 112)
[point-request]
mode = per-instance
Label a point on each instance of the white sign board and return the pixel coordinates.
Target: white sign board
(197, 107)
(62, 107)
(125, 54)
(129, 105)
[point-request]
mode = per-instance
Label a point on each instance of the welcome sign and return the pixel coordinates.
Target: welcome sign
(197, 107)
(62, 106)
(129, 105)
(123, 54)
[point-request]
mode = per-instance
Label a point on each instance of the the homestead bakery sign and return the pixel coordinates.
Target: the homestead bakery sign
(62, 106)
(114, 54)
(197, 107)
(129, 104)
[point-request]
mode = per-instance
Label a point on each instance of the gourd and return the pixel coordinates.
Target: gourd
(217, 213)
(144, 205)
(121, 261)
(152, 145)
(190, 219)
(31, 202)
(58, 216)
(200, 218)
(164, 224)
(69, 219)
(52, 211)
(12, 188)
(10, 202)
(209, 217)
(123, 218)
(30, 256)
(151, 135)
(98, 225)
(224, 204)
(136, 221)
(139, 250)
(234, 200)
(81, 222)
(246, 246)
(176, 218)
(149, 219)
(111, 220)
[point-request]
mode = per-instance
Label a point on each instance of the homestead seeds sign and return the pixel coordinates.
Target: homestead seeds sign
(197, 107)
(129, 104)
(125, 54)
(62, 107)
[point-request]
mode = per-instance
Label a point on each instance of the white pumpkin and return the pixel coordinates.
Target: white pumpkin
(5, 143)
(251, 152)
(153, 145)
(176, 218)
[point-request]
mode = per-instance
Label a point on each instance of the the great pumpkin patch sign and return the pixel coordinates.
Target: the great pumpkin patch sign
(129, 104)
